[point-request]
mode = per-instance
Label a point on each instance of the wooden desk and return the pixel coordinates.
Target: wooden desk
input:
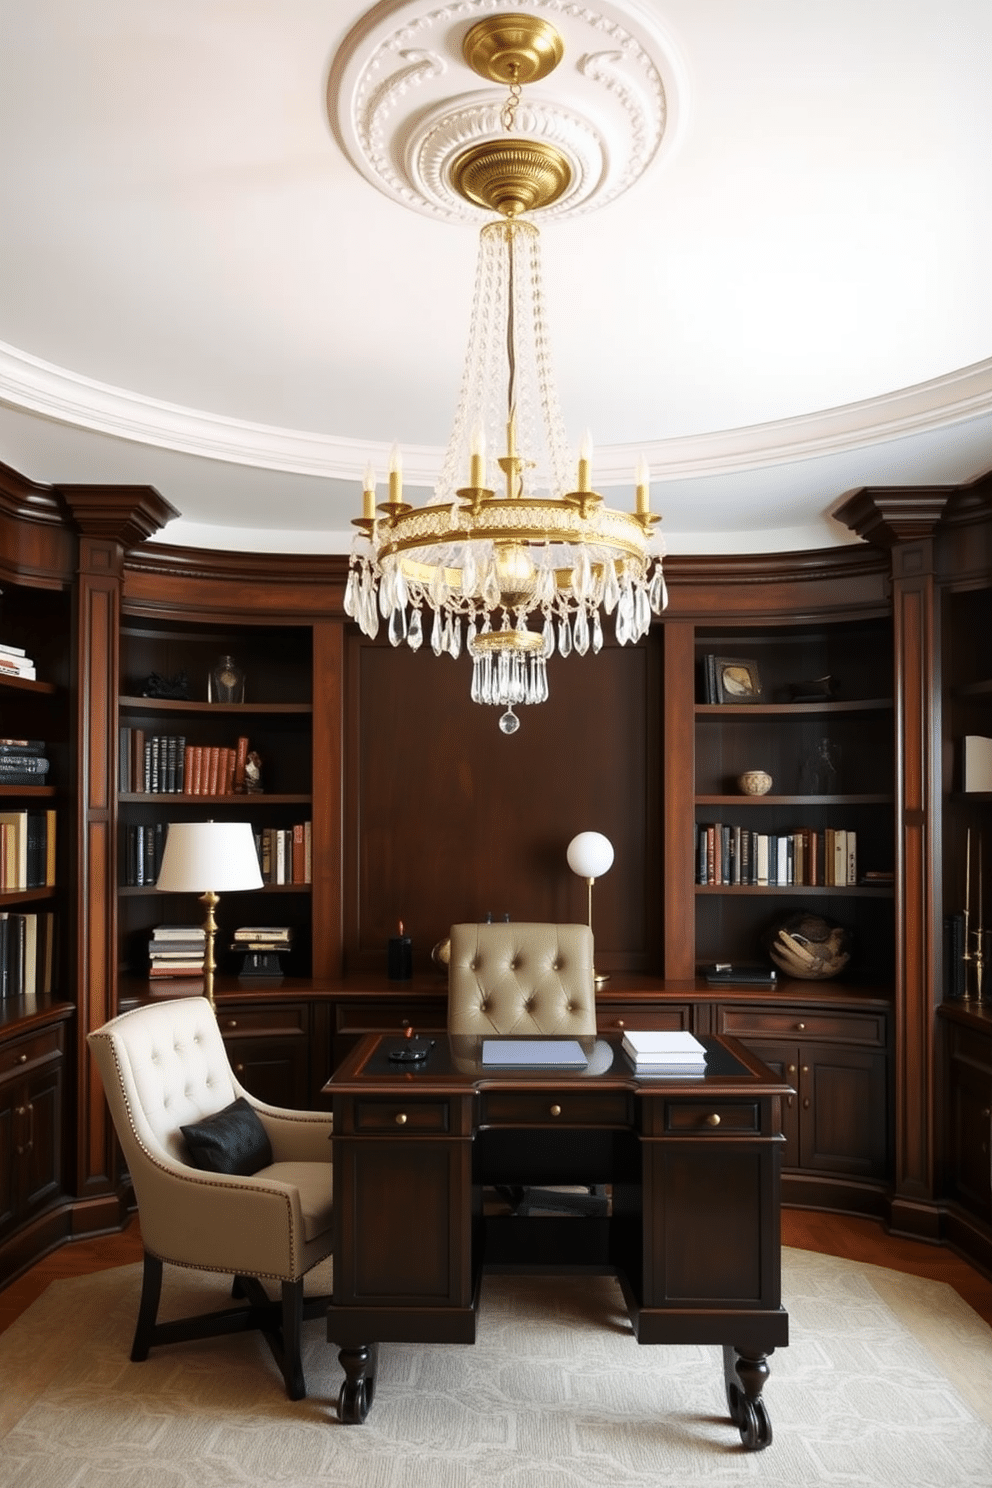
(694, 1229)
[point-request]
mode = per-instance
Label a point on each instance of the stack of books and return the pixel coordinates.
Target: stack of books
(664, 1052)
(14, 663)
(27, 953)
(177, 950)
(261, 946)
(23, 762)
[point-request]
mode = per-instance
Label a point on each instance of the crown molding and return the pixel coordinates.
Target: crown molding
(39, 387)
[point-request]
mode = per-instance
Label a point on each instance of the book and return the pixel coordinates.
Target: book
(740, 974)
(270, 933)
(664, 1048)
(976, 763)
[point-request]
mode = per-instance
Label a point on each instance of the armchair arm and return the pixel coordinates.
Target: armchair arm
(296, 1136)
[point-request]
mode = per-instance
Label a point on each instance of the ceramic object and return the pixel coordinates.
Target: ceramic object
(755, 782)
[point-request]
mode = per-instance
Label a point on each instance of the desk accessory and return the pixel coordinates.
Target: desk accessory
(590, 855)
(205, 857)
(411, 1051)
(399, 956)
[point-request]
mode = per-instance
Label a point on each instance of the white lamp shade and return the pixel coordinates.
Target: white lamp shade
(210, 855)
(590, 854)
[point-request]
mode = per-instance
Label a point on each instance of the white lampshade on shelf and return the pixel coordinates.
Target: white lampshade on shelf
(590, 855)
(208, 858)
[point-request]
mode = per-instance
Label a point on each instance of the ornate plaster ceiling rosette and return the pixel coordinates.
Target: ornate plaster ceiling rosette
(404, 104)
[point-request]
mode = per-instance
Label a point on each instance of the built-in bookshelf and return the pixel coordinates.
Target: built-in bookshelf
(35, 760)
(812, 707)
(183, 758)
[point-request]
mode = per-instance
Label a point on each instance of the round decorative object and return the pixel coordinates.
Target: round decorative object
(808, 946)
(590, 854)
(441, 955)
(755, 782)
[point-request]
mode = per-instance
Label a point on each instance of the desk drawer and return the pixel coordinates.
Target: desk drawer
(238, 1021)
(555, 1108)
(853, 1028)
(396, 1116)
(711, 1117)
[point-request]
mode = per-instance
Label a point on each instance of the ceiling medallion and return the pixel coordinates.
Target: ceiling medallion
(413, 85)
(478, 562)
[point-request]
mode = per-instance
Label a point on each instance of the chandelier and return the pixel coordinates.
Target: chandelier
(519, 565)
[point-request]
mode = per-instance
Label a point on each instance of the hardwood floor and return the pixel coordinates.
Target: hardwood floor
(832, 1234)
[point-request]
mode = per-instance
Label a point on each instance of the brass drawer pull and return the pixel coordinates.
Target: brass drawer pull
(22, 1059)
(713, 1120)
(619, 1022)
(556, 1110)
(232, 1023)
(801, 1026)
(401, 1119)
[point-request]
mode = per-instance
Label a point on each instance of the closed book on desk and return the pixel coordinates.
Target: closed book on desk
(668, 1049)
(509, 1053)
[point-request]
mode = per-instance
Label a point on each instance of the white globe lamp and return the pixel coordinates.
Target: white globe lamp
(590, 855)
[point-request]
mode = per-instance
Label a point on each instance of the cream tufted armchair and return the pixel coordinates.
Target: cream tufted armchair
(523, 978)
(164, 1066)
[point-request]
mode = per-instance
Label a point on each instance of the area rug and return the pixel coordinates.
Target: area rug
(887, 1381)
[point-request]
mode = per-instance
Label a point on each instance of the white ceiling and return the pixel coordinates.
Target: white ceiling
(199, 290)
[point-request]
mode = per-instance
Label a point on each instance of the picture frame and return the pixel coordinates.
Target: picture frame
(737, 680)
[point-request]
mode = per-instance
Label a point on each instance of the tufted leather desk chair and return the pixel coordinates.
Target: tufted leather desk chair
(164, 1066)
(524, 978)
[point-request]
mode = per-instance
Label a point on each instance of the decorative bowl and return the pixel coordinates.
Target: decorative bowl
(755, 782)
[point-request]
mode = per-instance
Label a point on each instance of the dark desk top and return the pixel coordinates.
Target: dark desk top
(454, 1066)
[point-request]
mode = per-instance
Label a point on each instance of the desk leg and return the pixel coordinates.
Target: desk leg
(355, 1398)
(745, 1375)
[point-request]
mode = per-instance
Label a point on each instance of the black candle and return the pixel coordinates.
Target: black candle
(399, 956)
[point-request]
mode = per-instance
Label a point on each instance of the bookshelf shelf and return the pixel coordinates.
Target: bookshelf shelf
(799, 710)
(26, 685)
(32, 792)
(231, 798)
(211, 710)
(873, 799)
(794, 891)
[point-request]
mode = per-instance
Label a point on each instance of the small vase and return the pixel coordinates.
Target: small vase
(755, 782)
(226, 683)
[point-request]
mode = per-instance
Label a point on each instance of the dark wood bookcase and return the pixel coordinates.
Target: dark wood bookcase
(277, 719)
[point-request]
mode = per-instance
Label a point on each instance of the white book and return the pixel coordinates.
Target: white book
(977, 763)
(663, 1045)
(761, 876)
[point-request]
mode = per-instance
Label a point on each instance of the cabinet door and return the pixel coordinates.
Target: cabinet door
(268, 1050)
(42, 1140)
(11, 1095)
(842, 1110)
(970, 1137)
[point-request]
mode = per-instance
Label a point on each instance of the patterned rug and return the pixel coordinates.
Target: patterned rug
(887, 1381)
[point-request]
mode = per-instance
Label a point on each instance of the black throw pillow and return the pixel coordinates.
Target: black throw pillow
(232, 1141)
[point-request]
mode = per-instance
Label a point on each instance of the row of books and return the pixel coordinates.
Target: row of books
(177, 951)
(23, 762)
(14, 662)
(27, 953)
(285, 854)
(27, 850)
(164, 764)
(807, 857)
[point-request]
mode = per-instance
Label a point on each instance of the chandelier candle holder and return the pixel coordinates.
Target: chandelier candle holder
(519, 565)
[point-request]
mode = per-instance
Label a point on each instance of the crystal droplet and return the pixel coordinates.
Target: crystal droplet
(415, 632)
(580, 633)
(564, 637)
(509, 723)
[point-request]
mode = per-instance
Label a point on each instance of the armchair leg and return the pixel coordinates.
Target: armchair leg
(151, 1291)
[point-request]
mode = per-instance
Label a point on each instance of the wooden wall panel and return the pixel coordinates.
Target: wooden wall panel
(448, 818)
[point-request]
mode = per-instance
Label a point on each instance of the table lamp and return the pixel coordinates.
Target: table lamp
(590, 855)
(207, 858)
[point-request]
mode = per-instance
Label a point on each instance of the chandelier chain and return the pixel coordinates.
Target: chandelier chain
(508, 114)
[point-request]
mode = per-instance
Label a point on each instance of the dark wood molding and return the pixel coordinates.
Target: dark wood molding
(888, 515)
(126, 515)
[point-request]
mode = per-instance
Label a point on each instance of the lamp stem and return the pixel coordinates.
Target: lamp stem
(599, 980)
(210, 900)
